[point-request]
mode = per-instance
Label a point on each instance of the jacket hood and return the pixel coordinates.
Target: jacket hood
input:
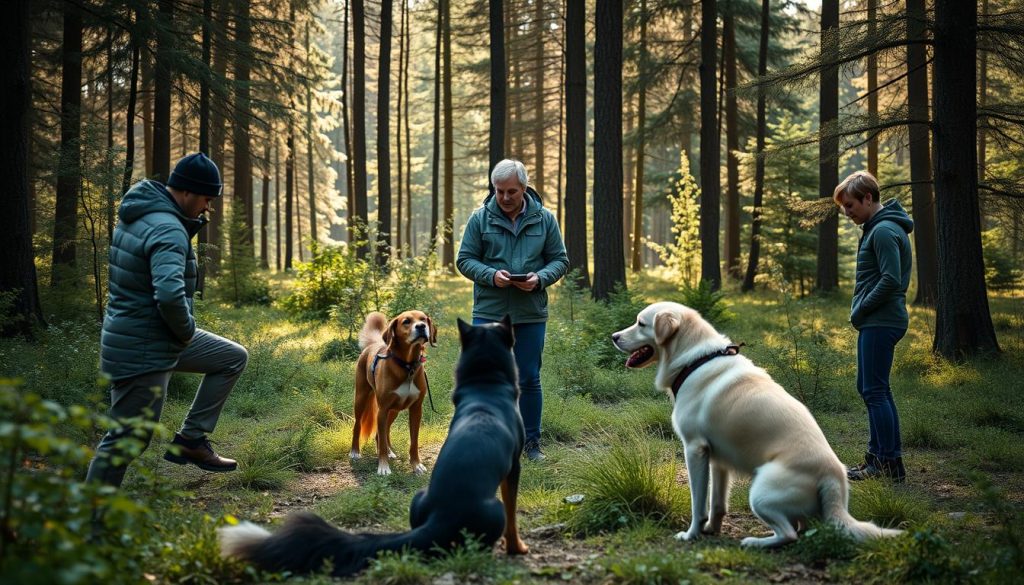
(147, 197)
(894, 212)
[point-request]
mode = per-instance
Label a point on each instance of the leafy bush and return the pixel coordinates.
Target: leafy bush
(709, 303)
(53, 526)
(334, 283)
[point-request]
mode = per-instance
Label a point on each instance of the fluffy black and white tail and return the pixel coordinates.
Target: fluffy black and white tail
(306, 543)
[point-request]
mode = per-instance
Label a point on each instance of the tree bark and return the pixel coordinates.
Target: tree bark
(69, 171)
(496, 143)
(538, 96)
(828, 150)
(289, 197)
(710, 157)
(641, 143)
(277, 208)
(732, 146)
(17, 259)
(359, 126)
(435, 156)
(204, 134)
(162, 93)
(218, 124)
(448, 255)
(963, 323)
(383, 144)
(314, 233)
(922, 198)
(873, 91)
(146, 65)
(265, 210)
(609, 261)
(408, 139)
(240, 134)
(576, 140)
(755, 223)
(399, 113)
(350, 208)
(982, 101)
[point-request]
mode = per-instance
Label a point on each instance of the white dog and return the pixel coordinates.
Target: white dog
(732, 417)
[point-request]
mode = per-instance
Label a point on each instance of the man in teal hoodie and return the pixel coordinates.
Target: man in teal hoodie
(879, 312)
(149, 330)
(512, 250)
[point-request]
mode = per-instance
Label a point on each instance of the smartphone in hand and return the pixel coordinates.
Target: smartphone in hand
(518, 277)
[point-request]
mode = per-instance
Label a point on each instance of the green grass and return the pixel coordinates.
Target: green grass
(607, 434)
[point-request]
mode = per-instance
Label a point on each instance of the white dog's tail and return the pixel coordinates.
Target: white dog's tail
(373, 330)
(834, 493)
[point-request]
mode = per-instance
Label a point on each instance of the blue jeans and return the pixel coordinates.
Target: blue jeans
(875, 348)
(528, 348)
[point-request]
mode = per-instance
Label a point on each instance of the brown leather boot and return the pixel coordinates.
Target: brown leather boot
(198, 452)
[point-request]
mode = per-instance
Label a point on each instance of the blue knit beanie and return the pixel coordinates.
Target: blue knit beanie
(196, 173)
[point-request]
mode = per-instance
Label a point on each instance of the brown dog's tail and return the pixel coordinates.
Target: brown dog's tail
(368, 419)
(373, 330)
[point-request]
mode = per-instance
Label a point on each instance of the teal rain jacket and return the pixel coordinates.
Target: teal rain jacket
(883, 270)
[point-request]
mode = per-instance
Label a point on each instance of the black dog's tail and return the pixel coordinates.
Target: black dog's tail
(306, 542)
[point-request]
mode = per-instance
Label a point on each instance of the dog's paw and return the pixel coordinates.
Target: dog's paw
(419, 469)
(688, 535)
(354, 455)
(514, 546)
(383, 469)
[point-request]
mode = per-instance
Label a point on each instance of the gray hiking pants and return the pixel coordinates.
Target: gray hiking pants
(141, 398)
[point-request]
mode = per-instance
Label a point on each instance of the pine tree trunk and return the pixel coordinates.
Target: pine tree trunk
(408, 139)
(755, 223)
(710, 157)
(732, 145)
(538, 96)
(609, 261)
(435, 156)
(496, 144)
(982, 101)
(162, 94)
(277, 208)
(561, 128)
(265, 210)
(923, 201)
(828, 149)
(17, 259)
(576, 140)
(314, 233)
(240, 135)
(218, 132)
(963, 323)
(359, 126)
(383, 142)
(289, 197)
(69, 171)
(448, 255)
(872, 91)
(399, 113)
(350, 207)
(129, 129)
(146, 65)
(204, 134)
(641, 144)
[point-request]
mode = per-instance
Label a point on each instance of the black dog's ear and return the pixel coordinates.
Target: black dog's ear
(506, 327)
(390, 332)
(464, 329)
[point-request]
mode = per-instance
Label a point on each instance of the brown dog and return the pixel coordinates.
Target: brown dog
(389, 379)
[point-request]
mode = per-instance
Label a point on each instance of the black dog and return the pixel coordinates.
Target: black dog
(481, 453)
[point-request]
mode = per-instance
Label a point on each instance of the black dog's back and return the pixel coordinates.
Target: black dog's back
(485, 440)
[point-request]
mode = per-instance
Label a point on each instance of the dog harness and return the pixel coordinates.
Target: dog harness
(678, 382)
(410, 368)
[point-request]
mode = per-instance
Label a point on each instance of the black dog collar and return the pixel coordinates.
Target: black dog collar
(678, 382)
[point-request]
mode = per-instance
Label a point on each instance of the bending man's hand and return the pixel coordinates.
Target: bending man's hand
(501, 279)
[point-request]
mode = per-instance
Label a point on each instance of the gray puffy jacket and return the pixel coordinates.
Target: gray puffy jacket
(153, 271)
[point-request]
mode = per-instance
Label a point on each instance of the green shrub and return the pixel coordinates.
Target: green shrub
(709, 303)
(886, 504)
(821, 543)
(397, 568)
(923, 555)
(653, 568)
(56, 528)
(334, 283)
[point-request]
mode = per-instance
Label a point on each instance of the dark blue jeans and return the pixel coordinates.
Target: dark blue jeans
(875, 348)
(528, 348)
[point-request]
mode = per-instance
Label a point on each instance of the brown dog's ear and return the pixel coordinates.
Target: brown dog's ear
(433, 331)
(666, 325)
(391, 331)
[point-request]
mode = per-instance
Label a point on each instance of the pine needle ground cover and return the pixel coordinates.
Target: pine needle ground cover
(601, 509)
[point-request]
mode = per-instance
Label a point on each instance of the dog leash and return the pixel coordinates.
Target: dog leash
(410, 367)
(678, 382)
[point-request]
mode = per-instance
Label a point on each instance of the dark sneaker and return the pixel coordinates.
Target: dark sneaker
(891, 469)
(198, 452)
(869, 459)
(532, 451)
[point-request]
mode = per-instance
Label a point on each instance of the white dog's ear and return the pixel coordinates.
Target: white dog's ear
(666, 325)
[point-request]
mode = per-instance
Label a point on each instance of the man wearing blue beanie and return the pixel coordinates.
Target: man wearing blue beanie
(149, 330)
